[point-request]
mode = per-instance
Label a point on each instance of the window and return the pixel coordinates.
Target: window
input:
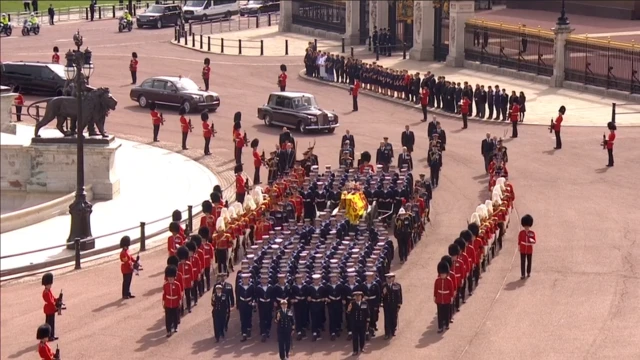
(287, 104)
(272, 100)
(185, 84)
(147, 84)
(170, 87)
(223, 2)
(304, 101)
(58, 70)
(155, 9)
(280, 101)
(195, 3)
(159, 84)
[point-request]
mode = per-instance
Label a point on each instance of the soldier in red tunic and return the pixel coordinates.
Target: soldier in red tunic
(443, 291)
(208, 220)
(526, 240)
(133, 68)
(257, 161)
(206, 73)
(459, 270)
(186, 269)
(468, 267)
(172, 294)
(175, 240)
(55, 58)
(127, 263)
(50, 306)
(197, 240)
(241, 184)
(365, 164)
(44, 351)
(452, 276)
(207, 132)
(185, 126)
(196, 270)
(207, 248)
(282, 78)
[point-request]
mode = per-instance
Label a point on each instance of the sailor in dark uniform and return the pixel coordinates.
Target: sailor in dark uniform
(298, 296)
(264, 298)
(321, 197)
(391, 303)
(317, 299)
(245, 299)
(334, 292)
(372, 294)
(309, 205)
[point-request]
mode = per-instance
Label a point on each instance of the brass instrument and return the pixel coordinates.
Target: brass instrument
(190, 126)
(604, 141)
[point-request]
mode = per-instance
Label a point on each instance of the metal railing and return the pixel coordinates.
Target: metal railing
(102, 11)
(325, 15)
(237, 24)
(615, 112)
(603, 63)
(513, 47)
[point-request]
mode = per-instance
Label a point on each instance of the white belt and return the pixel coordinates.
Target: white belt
(246, 299)
(265, 300)
(280, 299)
(172, 297)
(371, 297)
(443, 292)
(334, 298)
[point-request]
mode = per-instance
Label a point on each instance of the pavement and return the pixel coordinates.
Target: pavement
(153, 183)
(580, 303)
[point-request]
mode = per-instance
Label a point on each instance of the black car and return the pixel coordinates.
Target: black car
(297, 110)
(160, 15)
(34, 77)
(176, 91)
(258, 7)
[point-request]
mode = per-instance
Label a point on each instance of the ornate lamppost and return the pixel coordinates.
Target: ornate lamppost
(78, 70)
(563, 20)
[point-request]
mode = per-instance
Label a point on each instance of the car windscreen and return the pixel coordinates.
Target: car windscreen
(195, 3)
(58, 69)
(304, 101)
(186, 85)
(154, 9)
(255, 2)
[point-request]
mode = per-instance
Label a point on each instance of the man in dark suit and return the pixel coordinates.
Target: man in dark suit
(442, 136)
(405, 159)
(348, 137)
(286, 159)
(487, 149)
(431, 128)
(285, 137)
(408, 139)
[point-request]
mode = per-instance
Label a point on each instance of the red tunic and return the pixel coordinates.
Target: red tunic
(133, 65)
(201, 257)
(155, 118)
(460, 271)
(18, 100)
(173, 243)
(206, 130)
(126, 266)
(557, 123)
(196, 267)
(238, 138)
(240, 186)
(443, 290)
(297, 201)
(257, 161)
(453, 279)
(208, 254)
(49, 302)
(610, 140)
(526, 240)
(355, 89)
(478, 243)
(206, 72)
(363, 168)
(186, 270)
(471, 255)
(514, 115)
(209, 221)
(55, 58)
(424, 97)
(184, 124)
(45, 351)
(171, 295)
(465, 261)
(464, 107)
(282, 79)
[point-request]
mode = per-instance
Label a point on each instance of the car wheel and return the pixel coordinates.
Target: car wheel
(138, 26)
(159, 24)
(331, 131)
(25, 32)
(302, 127)
(267, 120)
(142, 101)
(227, 15)
(204, 18)
(187, 106)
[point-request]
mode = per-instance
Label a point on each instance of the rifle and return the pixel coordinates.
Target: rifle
(136, 266)
(59, 304)
(57, 354)
(604, 141)
(190, 126)
(245, 138)
(161, 119)
(551, 126)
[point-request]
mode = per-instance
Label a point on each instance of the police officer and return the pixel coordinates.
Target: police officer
(221, 304)
(245, 299)
(403, 233)
(391, 303)
(358, 312)
(284, 324)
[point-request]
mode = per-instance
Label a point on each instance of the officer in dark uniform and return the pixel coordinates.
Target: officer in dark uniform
(227, 288)
(300, 306)
(264, 298)
(358, 312)
(349, 288)
(284, 324)
(309, 204)
(391, 303)
(245, 293)
(403, 233)
(221, 304)
(374, 39)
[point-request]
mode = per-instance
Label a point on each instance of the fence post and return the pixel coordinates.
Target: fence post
(221, 46)
(193, 40)
(404, 51)
(143, 236)
(186, 39)
(286, 46)
(239, 47)
(369, 38)
(201, 41)
(315, 44)
(613, 113)
(113, 11)
(342, 45)
(269, 19)
(208, 43)
(352, 51)
(190, 217)
(86, 14)
(76, 244)
(261, 47)
(257, 21)
(177, 39)
(190, 28)
(99, 12)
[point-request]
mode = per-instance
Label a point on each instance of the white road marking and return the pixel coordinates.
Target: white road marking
(8, 38)
(66, 40)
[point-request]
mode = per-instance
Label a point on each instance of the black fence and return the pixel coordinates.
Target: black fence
(512, 47)
(329, 16)
(234, 24)
(603, 63)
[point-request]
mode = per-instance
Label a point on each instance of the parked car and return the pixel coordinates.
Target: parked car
(34, 77)
(160, 15)
(258, 7)
(206, 10)
(297, 110)
(175, 91)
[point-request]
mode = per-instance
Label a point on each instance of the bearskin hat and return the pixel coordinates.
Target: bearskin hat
(152, 106)
(365, 156)
(237, 126)
(207, 61)
(466, 235)
(238, 169)
(443, 268)
(191, 246)
(44, 332)
(237, 117)
(611, 126)
(204, 232)
(173, 260)
(196, 239)
(47, 279)
(170, 271)
(527, 221)
(283, 67)
(474, 228)
(182, 111)
(461, 244)
(215, 198)
(125, 242)
(562, 110)
(183, 253)
(134, 55)
(207, 206)
(254, 143)
(454, 250)
(217, 189)
(204, 116)
(448, 260)
(55, 49)
(176, 215)
(174, 227)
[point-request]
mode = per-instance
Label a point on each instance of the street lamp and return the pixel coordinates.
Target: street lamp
(563, 20)
(78, 70)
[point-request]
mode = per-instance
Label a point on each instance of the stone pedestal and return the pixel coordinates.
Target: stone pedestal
(286, 16)
(378, 15)
(352, 31)
(459, 13)
(562, 33)
(6, 107)
(423, 18)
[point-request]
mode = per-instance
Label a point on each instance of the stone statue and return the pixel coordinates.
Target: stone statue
(96, 105)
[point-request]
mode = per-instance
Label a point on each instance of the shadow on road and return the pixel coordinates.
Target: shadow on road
(152, 339)
(152, 292)
(514, 285)
(430, 336)
(602, 170)
(114, 304)
(550, 152)
(23, 352)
